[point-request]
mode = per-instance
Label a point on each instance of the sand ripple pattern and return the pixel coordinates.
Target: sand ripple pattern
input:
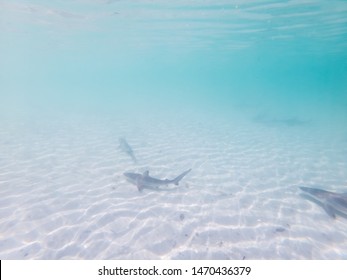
(63, 195)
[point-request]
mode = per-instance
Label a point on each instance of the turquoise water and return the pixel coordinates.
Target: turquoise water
(273, 55)
(252, 95)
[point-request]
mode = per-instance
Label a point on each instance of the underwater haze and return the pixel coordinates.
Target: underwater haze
(251, 95)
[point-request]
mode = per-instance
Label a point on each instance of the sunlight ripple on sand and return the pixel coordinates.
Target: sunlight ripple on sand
(63, 195)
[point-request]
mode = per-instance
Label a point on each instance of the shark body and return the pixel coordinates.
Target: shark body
(333, 203)
(145, 181)
(125, 147)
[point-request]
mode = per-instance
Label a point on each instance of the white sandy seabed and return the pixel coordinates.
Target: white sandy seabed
(63, 194)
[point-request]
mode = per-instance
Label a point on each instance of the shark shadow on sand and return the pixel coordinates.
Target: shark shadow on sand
(280, 121)
(334, 204)
(125, 147)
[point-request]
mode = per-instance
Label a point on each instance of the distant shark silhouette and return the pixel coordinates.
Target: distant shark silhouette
(145, 181)
(285, 121)
(125, 147)
(333, 203)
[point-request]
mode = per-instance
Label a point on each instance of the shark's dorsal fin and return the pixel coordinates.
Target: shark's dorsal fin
(146, 173)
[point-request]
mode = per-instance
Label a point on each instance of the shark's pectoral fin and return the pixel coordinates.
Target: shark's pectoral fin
(340, 201)
(330, 210)
(139, 187)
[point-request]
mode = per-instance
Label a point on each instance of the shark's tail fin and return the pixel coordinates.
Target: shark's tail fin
(179, 177)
